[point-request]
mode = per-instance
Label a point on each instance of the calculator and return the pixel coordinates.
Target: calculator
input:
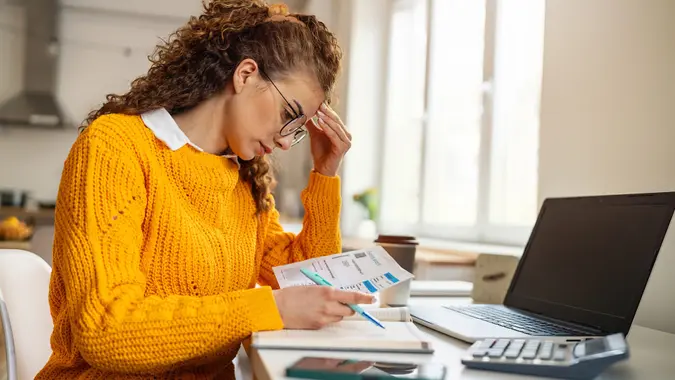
(541, 357)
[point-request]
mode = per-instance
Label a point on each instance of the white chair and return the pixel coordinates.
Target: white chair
(24, 282)
(7, 355)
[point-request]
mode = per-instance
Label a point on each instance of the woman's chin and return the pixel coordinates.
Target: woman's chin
(244, 155)
(249, 156)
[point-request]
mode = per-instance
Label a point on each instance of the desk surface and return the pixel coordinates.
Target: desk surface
(652, 354)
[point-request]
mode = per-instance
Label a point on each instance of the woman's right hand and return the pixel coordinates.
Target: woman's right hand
(313, 307)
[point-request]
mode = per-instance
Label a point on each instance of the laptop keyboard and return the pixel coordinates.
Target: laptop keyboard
(505, 317)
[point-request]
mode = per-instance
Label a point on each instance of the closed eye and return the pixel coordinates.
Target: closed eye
(287, 116)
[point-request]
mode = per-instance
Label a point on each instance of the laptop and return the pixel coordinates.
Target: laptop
(582, 273)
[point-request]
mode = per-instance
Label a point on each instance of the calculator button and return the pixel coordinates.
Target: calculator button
(529, 354)
(545, 354)
(513, 352)
(479, 353)
(501, 343)
(546, 351)
(477, 350)
(579, 350)
(560, 355)
(487, 343)
(495, 352)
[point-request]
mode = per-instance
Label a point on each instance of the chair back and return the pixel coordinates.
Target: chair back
(24, 285)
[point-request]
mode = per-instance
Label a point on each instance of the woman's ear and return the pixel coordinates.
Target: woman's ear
(243, 74)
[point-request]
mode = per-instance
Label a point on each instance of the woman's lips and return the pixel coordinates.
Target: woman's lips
(266, 149)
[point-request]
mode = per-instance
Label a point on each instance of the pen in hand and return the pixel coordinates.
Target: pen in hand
(317, 279)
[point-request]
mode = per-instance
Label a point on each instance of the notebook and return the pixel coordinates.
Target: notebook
(352, 334)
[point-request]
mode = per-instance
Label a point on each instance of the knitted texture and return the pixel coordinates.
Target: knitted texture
(157, 253)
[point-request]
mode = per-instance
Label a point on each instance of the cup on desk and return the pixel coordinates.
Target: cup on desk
(402, 249)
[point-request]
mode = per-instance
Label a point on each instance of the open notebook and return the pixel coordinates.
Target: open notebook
(352, 334)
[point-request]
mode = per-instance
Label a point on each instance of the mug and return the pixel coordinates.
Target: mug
(402, 249)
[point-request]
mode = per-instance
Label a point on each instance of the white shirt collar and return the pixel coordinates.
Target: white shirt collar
(164, 127)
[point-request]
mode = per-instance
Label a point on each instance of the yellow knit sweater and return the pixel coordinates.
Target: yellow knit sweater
(157, 254)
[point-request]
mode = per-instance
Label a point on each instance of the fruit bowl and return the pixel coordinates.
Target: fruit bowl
(14, 229)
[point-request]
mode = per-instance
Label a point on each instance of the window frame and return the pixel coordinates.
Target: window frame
(482, 231)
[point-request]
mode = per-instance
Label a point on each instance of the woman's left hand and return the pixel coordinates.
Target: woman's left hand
(329, 141)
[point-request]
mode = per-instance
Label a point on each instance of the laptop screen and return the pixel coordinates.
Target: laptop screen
(588, 259)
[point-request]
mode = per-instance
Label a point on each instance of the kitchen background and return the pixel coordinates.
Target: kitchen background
(77, 51)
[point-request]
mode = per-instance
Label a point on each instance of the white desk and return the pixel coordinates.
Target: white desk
(652, 356)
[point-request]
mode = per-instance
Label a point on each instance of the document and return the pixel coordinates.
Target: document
(400, 335)
(368, 270)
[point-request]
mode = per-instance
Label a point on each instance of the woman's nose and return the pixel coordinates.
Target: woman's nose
(284, 143)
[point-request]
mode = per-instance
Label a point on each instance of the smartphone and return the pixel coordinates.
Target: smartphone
(350, 369)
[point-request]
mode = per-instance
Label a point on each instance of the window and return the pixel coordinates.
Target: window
(461, 126)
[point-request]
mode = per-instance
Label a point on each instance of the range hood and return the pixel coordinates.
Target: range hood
(36, 105)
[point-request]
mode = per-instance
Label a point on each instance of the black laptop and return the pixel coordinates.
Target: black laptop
(582, 273)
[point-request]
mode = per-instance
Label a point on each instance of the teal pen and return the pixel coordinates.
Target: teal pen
(317, 279)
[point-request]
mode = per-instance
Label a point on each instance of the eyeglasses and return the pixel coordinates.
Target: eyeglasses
(296, 125)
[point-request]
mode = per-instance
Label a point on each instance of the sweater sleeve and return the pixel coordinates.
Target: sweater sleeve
(320, 235)
(98, 249)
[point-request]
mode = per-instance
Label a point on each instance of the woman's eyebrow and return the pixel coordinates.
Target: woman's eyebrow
(301, 112)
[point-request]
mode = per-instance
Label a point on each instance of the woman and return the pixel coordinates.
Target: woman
(165, 222)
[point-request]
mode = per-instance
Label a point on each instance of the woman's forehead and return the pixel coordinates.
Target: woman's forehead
(305, 91)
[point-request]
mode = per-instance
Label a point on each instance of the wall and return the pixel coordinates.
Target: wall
(161, 8)
(28, 159)
(607, 114)
(364, 90)
(12, 41)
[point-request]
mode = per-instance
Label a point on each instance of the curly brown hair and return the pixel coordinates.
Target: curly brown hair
(200, 57)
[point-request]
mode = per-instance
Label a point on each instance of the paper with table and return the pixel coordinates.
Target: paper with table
(368, 270)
